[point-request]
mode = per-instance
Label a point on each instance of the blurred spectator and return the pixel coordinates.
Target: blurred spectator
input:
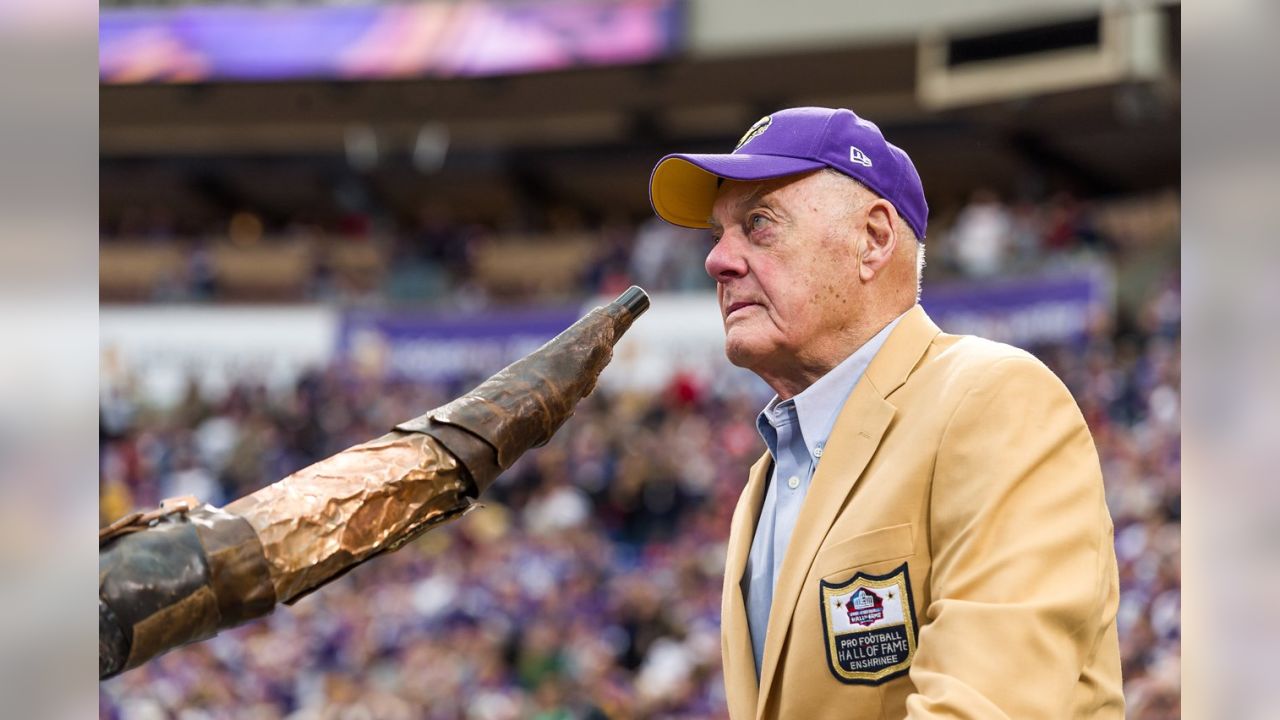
(982, 235)
(667, 257)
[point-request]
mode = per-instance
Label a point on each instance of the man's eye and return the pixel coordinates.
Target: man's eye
(757, 222)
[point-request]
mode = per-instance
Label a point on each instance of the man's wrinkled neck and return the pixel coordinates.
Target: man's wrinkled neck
(790, 384)
(788, 376)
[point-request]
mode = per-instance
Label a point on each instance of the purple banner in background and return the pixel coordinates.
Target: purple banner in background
(1022, 312)
(432, 39)
(438, 346)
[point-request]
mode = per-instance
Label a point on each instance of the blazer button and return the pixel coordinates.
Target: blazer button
(793, 482)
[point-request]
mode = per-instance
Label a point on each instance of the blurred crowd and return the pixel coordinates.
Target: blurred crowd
(589, 584)
(588, 587)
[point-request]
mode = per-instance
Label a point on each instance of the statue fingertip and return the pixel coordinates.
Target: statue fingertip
(634, 300)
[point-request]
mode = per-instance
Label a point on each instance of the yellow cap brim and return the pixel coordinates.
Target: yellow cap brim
(682, 193)
(682, 188)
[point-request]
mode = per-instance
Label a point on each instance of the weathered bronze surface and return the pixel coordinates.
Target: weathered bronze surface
(169, 579)
(180, 580)
(524, 404)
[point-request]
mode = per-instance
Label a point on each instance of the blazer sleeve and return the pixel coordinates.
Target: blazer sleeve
(1018, 531)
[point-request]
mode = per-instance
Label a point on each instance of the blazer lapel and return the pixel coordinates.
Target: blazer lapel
(739, 660)
(859, 428)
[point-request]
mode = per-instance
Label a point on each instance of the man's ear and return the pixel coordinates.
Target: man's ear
(881, 240)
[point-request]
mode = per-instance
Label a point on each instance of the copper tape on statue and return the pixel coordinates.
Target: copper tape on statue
(374, 497)
(183, 576)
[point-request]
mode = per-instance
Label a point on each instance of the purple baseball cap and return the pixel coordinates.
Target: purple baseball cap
(683, 187)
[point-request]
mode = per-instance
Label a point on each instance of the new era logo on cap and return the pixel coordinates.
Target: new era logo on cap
(797, 140)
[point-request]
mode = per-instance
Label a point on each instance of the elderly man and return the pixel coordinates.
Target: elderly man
(927, 535)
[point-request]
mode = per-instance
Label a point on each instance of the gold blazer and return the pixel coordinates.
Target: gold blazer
(953, 557)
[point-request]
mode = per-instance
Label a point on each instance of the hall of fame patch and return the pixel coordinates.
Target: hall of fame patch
(870, 626)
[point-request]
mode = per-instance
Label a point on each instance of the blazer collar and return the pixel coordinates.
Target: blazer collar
(902, 351)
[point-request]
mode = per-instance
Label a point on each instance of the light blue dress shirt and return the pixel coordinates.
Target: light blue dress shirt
(795, 431)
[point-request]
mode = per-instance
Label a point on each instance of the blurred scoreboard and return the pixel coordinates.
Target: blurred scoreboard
(188, 44)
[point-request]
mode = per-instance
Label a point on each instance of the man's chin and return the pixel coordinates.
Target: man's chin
(743, 353)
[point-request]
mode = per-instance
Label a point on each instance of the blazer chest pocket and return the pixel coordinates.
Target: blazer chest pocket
(865, 549)
(866, 605)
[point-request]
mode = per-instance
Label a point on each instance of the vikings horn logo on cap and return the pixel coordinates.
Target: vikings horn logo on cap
(761, 125)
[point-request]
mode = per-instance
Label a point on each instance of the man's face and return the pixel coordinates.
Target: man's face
(785, 266)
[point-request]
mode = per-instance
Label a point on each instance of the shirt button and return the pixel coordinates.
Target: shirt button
(817, 452)
(793, 482)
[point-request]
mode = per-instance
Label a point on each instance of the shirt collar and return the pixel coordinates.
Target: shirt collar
(818, 405)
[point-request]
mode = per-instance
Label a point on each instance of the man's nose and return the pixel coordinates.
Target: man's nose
(726, 261)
